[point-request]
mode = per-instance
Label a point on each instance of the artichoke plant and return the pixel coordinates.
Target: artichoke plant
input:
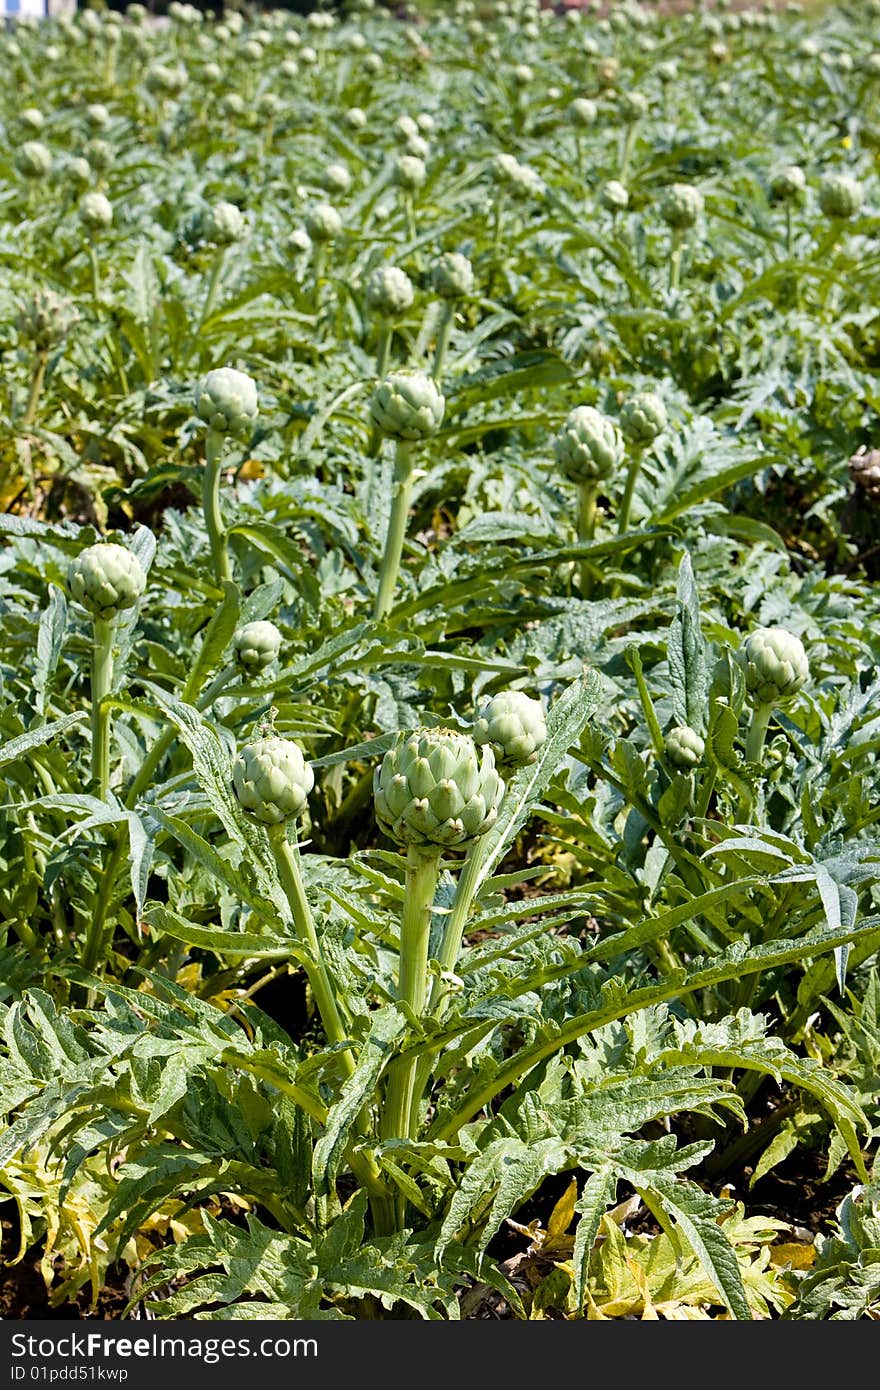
(643, 418)
(407, 406)
(588, 448)
(389, 291)
(226, 400)
(775, 667)
(106, 579)
(222, 224)
(452, 276)
(513, 725)
(684, 748)
(840, 197)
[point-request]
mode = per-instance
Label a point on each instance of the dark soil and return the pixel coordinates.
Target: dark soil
(23, 1291)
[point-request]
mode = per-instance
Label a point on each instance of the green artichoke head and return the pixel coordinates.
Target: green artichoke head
(774, 664)
(582, 112)
(222, 224)
(46, 319)
(613, 196)
(643, 418)
(514, 727)
(389, 291)
(452, 276)
(409, 172)
(840, 197)
(788, 183)
(684, 748)
(33, 159)
(256, 645)
(323, 223)
(681, 205)
(589, 446)
(106, 579)
(272, 780)
(408, 406)
(226, 400)
(436, 787)
(95, 211)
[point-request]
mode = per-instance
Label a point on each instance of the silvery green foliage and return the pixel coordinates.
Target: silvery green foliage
(272, 780)
(226, 399)
(407, 406)
(774, 664)
(106, 579)
(389, 291)
(643, 417)
(589, 446)
(222, 224)
(435, 787)
(681, 205)
(452, 276)
(256, 645)
(513, 725)
(684, 748)
(323, 223)
(840, 196)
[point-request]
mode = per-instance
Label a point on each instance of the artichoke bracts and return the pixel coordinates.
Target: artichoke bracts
(775, 667)
(272, 780)
(106, 579)
(514, 727)
(256, 645)
(684, 748)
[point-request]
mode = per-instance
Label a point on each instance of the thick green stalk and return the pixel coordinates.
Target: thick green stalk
(409, 217)
(789, 230)
(757, 732)
(319, 266)
(286, 858)
(37, 377)
(384, 349)
(422, 871)
(628, 146)
(213, 284)
(102, 681)
(675, 258)
(444, 328)
(401, 493)
(211, 506)
(587, 494)
(96, 276)
(635, 466)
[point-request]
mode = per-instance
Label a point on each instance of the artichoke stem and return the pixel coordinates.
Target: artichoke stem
(396, 535)
(409, 217)
(628, 146)
(287, 862)
(384, 349)
(211, 506)
(635, 465)
(675, 258)
(443, 330)
(102, 681)
(40, 363)
(213, 284)
(422, 871)
(587, 494)
(757, 732)
(789, 230)
(96, 276)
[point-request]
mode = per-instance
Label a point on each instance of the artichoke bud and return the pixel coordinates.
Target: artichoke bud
(681, 205)
(389, 291)
(272, 780)
(409, 172)
(256, 645)
(95, 211)
(684, 748)
(106, 579)
(613, 196)
(436, 787)
(643, 418)
(222, 224)
(840, 197)
(33, 159)
(514, 727)
(46, 319)
(227, 401)
(407, 406)
(788, 184)
(582, 112)
(452, 276)
(323, 223)
(774, 664)
(589, 447)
